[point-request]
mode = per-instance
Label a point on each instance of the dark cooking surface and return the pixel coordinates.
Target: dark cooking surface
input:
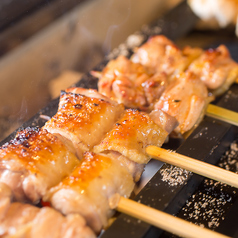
(208, 142)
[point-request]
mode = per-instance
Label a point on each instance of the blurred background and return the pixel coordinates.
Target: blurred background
(46, 45)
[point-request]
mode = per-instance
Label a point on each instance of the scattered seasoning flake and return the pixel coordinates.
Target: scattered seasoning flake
(207, 207)
(174, 176)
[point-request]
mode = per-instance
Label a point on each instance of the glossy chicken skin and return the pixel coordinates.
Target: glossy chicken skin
(131, 135)
(131, 83)
(24, 220)
(83, 120)
(33, 162)
(159, 54)
(87, 189)
(185, 99)
(216, 69)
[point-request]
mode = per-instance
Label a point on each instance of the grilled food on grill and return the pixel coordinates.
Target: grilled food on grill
(184, 99)
(82, 120)
(216, 69)
(113, 171)
(130, 136)
(33, 162)
(37, 163)
(177, 90)
(24, 220)
(87, 189)
(131, 83)
(160, 54)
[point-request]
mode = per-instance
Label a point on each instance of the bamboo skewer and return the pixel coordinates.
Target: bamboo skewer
(193, 165)
(222, 114)
(161, 219)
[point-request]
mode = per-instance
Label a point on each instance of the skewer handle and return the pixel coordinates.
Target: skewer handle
(163, 220)
(222, 114)
(193, 165)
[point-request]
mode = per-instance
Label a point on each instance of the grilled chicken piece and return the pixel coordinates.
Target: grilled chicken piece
(131, 135)
(24, 220)
(131, 83)
(33, 162)
(83, 120)
(18, 214)
(160, 54)
(216, 69)
(185, 99)
(87, 189)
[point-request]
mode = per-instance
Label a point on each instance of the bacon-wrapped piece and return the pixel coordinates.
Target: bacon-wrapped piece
(33, 162)
(131, 83)
(216, 69)
(160, 54)
(87, 189)
(82, 121)
(131, 135)
(185, 99)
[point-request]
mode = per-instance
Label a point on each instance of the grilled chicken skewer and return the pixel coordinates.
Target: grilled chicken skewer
(179, 73)
(115, 170)
(24, 220)
(81, 145)
(113, 173)
(134, 169)
(37, 160)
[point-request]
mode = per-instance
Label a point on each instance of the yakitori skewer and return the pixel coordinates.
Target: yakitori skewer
(161, 219)
(161, 76)
(193, 165)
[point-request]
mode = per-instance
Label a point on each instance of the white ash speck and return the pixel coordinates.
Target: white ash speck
(174, 176)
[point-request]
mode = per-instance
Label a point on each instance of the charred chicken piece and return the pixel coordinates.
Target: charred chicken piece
(159, 54)
(216, 69)
(131, 135)
(131, 83)
(87, 189)
(82, 121)
(33, 162)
